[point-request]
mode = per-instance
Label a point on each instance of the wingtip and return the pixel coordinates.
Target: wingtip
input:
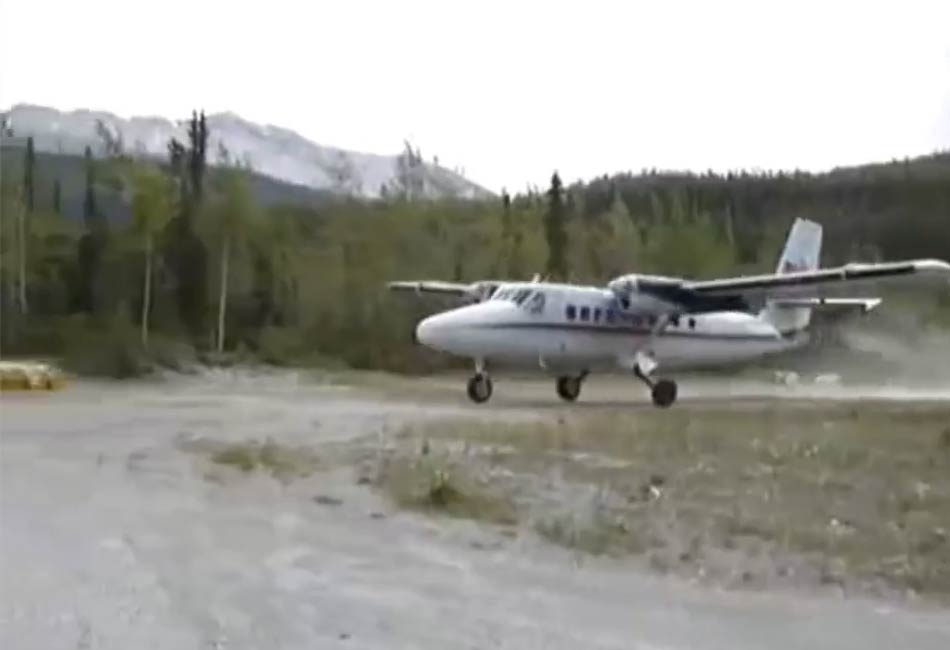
(932, 266)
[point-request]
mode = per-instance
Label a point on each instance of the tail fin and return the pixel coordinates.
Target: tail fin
(802, 248)
(802, 252)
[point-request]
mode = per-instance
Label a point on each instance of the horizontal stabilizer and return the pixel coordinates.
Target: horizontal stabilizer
(864, 305)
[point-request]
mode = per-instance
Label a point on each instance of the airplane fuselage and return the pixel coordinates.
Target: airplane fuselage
(568, 328)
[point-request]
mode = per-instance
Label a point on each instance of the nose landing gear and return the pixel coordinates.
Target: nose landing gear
(479, 388)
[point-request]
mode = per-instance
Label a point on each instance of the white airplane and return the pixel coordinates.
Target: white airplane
(641, 323)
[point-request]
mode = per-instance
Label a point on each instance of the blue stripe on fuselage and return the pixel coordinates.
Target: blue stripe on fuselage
(608, 329)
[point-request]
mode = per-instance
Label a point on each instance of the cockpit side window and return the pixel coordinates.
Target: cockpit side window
(535, 303)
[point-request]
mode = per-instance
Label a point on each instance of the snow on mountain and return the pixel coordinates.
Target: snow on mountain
(270, 150)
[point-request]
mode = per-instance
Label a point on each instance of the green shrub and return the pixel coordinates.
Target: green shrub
(280, 346)
(106, 348)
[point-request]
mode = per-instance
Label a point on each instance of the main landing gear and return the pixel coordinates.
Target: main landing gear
(569, 388)
(663, 391)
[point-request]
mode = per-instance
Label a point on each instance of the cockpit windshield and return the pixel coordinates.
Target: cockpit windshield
(530, 299)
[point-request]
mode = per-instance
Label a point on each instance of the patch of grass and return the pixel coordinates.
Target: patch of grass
(597, 533)
(283, 462)
(437, 482)
(861, 488)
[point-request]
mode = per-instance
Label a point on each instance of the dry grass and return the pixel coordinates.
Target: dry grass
(853, 495)
(441, 482)
(283, 462)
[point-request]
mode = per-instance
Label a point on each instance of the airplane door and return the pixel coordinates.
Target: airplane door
(548, 340)
(555, 342)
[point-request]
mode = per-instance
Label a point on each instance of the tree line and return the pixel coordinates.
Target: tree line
(202, 270)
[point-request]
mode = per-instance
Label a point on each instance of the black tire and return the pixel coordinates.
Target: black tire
(479, 388)
(568, 388)
(664, 393)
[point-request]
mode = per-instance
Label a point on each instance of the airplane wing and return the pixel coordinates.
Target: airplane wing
(431, 286)
(474, 292)
(820, 282)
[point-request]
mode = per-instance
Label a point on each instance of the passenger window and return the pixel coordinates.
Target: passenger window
(692, 323)
(585, 313)
(675, 320)
(609, 315)
(597, 315)
(571, 312)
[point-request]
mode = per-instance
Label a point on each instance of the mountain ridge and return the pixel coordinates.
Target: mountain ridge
(271, 150)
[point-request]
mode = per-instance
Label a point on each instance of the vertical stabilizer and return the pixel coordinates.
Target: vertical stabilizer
(802, 252)
(802, 248)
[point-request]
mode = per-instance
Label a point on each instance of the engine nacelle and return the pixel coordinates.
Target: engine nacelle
(662, 294)
(626, 285)
(649, 293)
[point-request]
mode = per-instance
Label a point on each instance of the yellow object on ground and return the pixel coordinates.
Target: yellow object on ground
(25, 375)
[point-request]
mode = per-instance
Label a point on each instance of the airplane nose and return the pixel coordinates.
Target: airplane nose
(424, 331)
(435, 331)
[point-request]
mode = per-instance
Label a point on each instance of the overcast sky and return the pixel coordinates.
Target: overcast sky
(513, 90)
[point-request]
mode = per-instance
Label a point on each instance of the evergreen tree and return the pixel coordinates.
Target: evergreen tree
(185, 252)
(91, 246)
(25, 205)
(505, 214)
(57, 197)
(555, 230)
(89, 200)
(197, 155)
(29, 167)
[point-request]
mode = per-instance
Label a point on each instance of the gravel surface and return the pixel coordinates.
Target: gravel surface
(114, 535)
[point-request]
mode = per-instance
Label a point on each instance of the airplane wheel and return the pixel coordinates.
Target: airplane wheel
(479, 388)
(664, 393)
(568, 388)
